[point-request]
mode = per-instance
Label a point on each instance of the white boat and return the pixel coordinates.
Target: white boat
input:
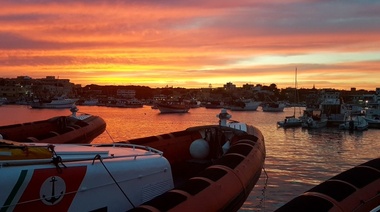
(3, 100)
(357, 123)
(372, 116)
(314, 119)
(193, 103)
(273, 107)
(215, 105)
(57, 103)
(290, 121)
(125, 103)
(373, 122)
(335, 109)
(178, 171)
(90, 102)
(245, 105)
(173, 107)
(311, 123)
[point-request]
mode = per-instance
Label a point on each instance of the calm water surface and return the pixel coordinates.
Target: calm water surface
(297, 159)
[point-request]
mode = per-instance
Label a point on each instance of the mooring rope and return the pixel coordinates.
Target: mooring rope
(261, 199)
(113, 141)
(265, 186)
(101, 160)
(56, 159)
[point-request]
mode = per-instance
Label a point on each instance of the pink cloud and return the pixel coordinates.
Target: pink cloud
(189, 38)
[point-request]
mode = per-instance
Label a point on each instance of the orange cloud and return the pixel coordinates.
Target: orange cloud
(193, 44)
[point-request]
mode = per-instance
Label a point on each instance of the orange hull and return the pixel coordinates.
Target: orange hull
(356, 189)
(57, 130)
(221, 184)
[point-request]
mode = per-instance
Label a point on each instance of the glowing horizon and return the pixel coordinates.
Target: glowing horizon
(193, 44)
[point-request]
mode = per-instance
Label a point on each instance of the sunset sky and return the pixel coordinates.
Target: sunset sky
(194, 43)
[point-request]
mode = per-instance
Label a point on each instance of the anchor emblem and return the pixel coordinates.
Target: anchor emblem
(56, 187)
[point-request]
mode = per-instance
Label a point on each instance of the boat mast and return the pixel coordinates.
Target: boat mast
(296, 92)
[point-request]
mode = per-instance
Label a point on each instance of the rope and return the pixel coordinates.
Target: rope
(110, 136)
(101, 160)
(265, 187)
(56, 160)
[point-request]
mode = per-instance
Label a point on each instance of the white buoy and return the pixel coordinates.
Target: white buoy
(1, 137)
(199, 149)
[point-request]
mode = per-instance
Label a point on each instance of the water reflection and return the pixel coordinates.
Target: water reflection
(297, 159)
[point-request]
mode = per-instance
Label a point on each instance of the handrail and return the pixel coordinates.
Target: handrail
(84, 157)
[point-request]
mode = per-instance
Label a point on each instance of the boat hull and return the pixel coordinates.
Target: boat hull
(86, 178)
(273, 107)
(245, 106)
(314, 124)
(356, 124)
(178, 171)
(54, 104)
(356, 189)
(60, 129)
(290, 123)
(165, 108)
(373, 123)
(228, 180)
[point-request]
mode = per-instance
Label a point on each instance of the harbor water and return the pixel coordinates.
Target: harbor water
(297, 159)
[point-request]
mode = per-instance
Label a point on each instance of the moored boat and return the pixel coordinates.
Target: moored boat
(273, 107)
(173, 107)
(245, 105)
(90, 102)
(373, 122)
(372, 116)
(125, 103)
(290, 121)
(178, 171)
(314, 119)
(215, 105)
(57, 103)
(75, 128)
(356, 123)
(3, 100)
(356, 189)
(193, 103)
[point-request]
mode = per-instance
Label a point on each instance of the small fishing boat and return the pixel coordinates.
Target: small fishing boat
(90, 102)
(290, 121)
(215, 105)
(173, 106)
(3, 100)
(125, 103)
(193, 103)
(314, 119)
(273, 107)
(245, 105)
(373, 122)
(204, 168)
(357, 123)
(57, 103)
(75, 128)
(372, 116)
(356, 189)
